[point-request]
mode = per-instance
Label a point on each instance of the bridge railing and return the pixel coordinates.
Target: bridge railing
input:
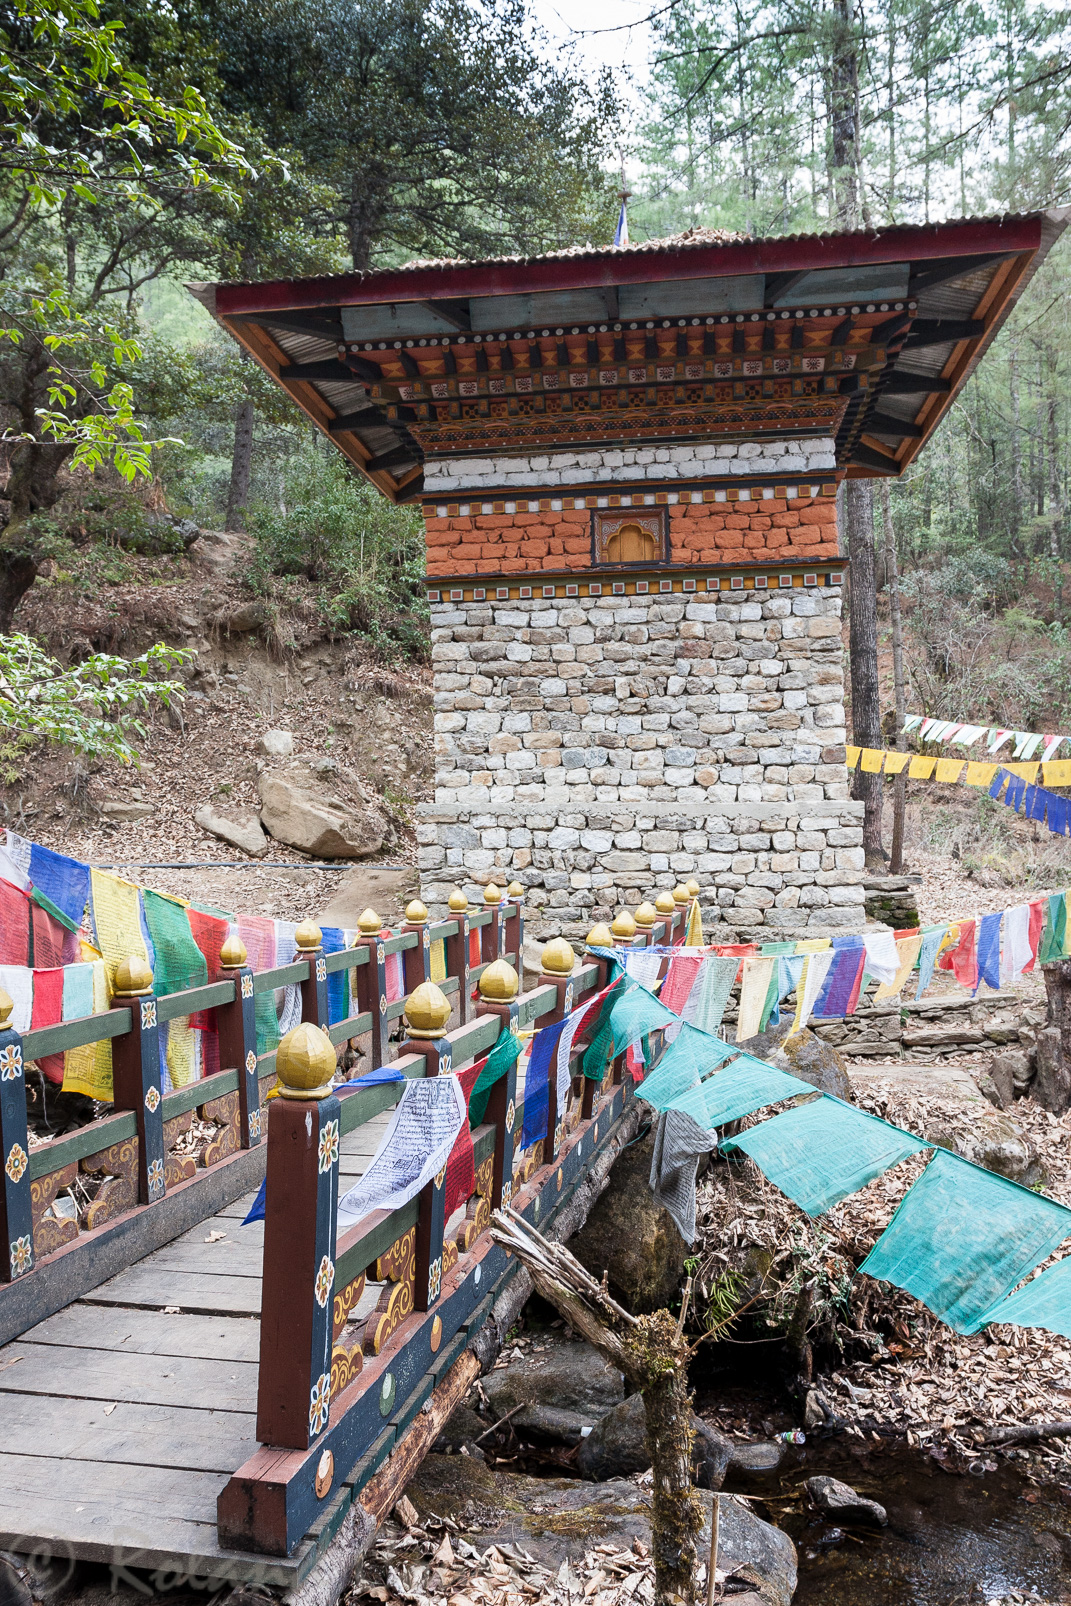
(340, 1385)
(134, 1158)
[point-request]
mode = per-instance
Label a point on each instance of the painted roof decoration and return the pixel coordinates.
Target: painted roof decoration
(865, 337)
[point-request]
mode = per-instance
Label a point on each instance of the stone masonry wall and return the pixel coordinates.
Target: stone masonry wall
(595, 747)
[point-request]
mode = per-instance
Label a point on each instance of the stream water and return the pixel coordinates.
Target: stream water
(953, 1539)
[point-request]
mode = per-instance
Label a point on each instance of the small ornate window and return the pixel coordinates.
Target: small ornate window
(627, 537)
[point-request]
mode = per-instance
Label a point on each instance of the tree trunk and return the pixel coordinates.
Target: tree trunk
(241, 463)
(844, 115)
(1055, 509)
(863, 654)
(892, 570)
(1052, 1085)
(653, 1354)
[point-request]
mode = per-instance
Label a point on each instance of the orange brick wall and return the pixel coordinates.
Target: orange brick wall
(774, 529)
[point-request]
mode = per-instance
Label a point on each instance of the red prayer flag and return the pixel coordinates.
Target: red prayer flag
(14, 925)
(962, 958)
(1037, 923)
(460, 1168)
(48, 1011)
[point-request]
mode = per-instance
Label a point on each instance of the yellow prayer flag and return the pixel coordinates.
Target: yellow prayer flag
(116, 920)
(980, 774)
(907, 951)
(920, 769)
(871, 761)
(1027, 772)
(851, 757)
(181, 1052)
(1057, 772)
(813, 945)
(949, 769)
(88, 1069)
(896, 762)
(438, 960)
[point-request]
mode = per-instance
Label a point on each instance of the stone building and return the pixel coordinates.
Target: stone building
(629, 463)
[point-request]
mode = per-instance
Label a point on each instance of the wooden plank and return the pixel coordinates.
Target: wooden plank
(75, 1033)
(181, 1380)
(181, 1099)
(163, 1517)
(87, 1140)
(95, 1257)
(227, 1258)
(174, 1005)
(130, 1433)
(145, 1285)
(269, 981)
(145, 1332)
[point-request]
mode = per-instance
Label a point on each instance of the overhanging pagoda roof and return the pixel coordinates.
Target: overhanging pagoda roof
(866, 336)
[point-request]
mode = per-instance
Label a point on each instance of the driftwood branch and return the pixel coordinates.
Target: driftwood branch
(1028, 1433)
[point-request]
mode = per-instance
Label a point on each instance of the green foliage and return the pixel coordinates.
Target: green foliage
(94, 707)
(364, 555)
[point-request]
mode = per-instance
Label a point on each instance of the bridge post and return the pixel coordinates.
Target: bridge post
(428, 1013)
(493, 935)
(136, 1072)
(515, 894)
(236, 1024)
(301, 1205)
(646, 917)
(372, 982)
(599, 936)
(416, 962)
(16, 1214)
(558, 963)
(667, 918)
(499, 986)
(314, 1005)
(457, 954)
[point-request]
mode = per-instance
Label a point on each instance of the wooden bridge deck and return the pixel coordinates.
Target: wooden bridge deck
(123, 1416)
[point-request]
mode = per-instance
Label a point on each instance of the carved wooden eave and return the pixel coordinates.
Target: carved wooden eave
(866, 337)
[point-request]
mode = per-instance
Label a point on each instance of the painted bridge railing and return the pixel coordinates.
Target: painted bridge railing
(336, 1397)
(138, 1149)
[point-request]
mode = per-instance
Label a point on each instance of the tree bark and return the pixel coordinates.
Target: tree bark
(653, 1354)
(1052, 1084)
(892, 570)
(241, 464)
(863, 654)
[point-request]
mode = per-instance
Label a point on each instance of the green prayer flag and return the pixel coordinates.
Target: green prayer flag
(179, 961)
(505, 1053)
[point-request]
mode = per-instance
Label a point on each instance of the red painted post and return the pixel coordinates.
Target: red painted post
(515, 894)
(491, 942)
(646, 916)
(499, 986)
(372, 982)
(237, 1028)
(416, 962)
(301, 1205)
(427, 1011)
(599, 936)
(558, 963)
(457, 954)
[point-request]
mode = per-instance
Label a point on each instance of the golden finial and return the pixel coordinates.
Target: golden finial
(308, 936)
(665, 903)
(133, 978)
(415, 913)
(427, 1009)
(599, 936)
(694, 889)
(624, 927)
(7, 1004)
(681, 896)
(645, 916)
(499, 982)
(233, 955)
(457, 902)
(368, 923)
(558, 958)
(305, 1063)
(515, 890)
(491, 893)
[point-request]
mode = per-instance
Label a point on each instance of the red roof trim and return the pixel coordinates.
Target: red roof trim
(905, 243)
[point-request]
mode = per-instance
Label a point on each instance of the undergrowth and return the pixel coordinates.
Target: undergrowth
(997, 847)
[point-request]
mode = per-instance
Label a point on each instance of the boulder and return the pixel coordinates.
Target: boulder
(562, 1390)
(247, 616)
(997, 1082)
(275, 743)
(804, 1055)
(295, 809)
(241, 828)
(632, 1238)
(617, 1446)
(1052, 1084)
(554, 1519)
(840, 1501)
(994, 1141)
(123, 810)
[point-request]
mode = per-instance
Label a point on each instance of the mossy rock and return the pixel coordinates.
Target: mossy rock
(633, 1238)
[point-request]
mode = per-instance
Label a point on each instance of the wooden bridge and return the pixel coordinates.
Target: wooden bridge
(184, 1394)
